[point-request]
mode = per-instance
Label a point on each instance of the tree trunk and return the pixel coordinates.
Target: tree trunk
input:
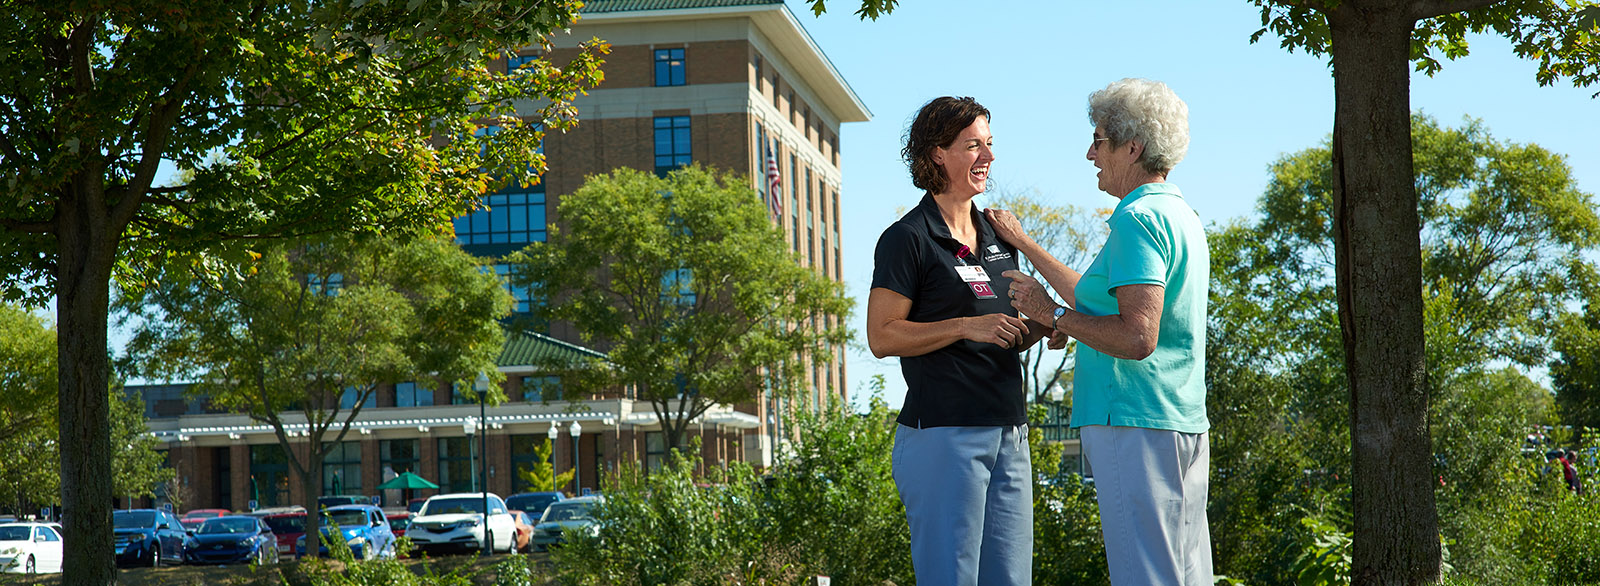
(86, 242)
(310, 489)
(1379, 266)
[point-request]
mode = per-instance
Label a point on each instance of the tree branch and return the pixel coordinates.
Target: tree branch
(1426, 9)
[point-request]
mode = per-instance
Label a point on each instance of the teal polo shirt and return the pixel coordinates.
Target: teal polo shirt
(1156, 238)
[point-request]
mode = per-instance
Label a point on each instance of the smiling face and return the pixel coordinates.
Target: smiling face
(966, 161)
(1119, 164)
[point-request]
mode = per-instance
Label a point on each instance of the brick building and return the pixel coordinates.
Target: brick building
(718, 82)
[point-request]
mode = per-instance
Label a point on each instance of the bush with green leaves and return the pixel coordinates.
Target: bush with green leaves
(828, 508)
(516, 570)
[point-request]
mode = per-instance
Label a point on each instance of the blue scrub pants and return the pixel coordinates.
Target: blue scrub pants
(968, 493)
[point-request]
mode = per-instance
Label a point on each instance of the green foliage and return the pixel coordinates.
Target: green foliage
(1504, 237)
(312, 326)
(344, 570)
(1575, 373)
(28, 422)
(541, 476)
(1325, 560)
(1561, 36)
(297, 118)
(689, 288)
(828, 508)
(869, 8)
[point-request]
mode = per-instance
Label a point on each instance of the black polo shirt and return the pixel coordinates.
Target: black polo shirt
(965, 383)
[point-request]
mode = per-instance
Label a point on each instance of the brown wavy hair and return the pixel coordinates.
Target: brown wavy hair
(937, 124)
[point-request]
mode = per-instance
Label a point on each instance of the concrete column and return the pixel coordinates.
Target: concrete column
(428, 462)
(371, 463)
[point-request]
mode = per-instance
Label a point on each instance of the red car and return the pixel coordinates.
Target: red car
(288, 524)
(193, 519)
(398, 521)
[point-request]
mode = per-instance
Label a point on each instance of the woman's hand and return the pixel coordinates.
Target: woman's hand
(1007, 227)
(1030, 298)
(995, 328)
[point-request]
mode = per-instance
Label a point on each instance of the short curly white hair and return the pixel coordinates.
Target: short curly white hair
(1147, 111)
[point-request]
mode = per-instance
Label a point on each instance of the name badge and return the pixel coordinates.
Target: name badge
(982, 290)
(972, 273)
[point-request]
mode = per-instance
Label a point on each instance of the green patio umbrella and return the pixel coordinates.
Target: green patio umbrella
(407, 480)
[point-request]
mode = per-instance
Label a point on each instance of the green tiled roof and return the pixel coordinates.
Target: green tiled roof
(599, 6)
(525, 348)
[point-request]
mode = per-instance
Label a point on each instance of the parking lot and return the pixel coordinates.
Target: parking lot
(286, 573)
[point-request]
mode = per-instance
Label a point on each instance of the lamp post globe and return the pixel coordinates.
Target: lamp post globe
(576, 430)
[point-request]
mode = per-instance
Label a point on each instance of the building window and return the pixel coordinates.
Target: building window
(409, 394)
(462, 394)
(541, 388)
(513, 216)
(677, 288)
(672, 143)
(397, 457)
(347, 399)
(269, 474)
(514, 63)
(760, 79)
(669, 67)
(655, 450)
(763, 186)
(776, 105)
(341, 469)
(328, 286)
(455, 464)
(520, 294)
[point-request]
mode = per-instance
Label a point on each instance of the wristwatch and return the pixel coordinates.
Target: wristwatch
(1060, 311)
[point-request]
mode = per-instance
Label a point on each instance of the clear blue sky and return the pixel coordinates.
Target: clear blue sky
(1033, 64)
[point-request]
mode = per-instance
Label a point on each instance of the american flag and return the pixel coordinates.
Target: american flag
(774, 183)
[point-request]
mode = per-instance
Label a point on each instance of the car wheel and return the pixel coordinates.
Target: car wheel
(155, 556)
(368, 553)
(30, 567)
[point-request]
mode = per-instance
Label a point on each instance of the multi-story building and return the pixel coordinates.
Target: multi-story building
(719, 82)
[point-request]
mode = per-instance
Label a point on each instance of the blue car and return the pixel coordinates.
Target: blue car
(363, 528)
(234, 539)
(147, 537)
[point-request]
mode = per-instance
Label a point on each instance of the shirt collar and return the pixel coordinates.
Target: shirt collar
(941, 231)
(1145, 190)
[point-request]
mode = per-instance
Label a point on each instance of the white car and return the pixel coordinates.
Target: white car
(456, 521)
(29, 548)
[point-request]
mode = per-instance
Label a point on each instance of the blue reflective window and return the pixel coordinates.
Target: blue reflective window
(411, 394)
(515, 62)
(672, 143)
(669, 67)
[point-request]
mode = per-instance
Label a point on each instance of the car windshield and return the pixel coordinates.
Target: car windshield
(133, 519)
(567, 512)
(14, 533)
(348, 519)
(453, 506)
(287, 524)
(399, 522)
(532, 502)
(227, 525)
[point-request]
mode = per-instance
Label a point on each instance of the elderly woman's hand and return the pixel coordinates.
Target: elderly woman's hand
(1007, 227)
(1030, 298)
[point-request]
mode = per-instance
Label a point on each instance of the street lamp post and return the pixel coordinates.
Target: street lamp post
(553, 434)
(471, 428)
(482, 387)
(575, 429)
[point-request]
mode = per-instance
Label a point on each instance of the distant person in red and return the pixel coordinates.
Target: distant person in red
(1570, 471)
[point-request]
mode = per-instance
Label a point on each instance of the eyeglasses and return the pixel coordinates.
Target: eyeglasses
(1097, 141)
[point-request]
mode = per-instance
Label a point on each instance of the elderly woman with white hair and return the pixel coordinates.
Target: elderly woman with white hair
(1139, 315)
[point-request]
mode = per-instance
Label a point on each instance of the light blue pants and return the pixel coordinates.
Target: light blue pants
(1152, 485)
(968, 493)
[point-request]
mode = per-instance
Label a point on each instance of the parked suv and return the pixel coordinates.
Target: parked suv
(147, 537)
(456, 521)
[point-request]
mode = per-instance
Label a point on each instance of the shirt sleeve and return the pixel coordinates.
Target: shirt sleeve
(1137, 253)
(897, 262)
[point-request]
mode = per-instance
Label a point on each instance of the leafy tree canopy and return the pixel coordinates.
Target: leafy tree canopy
(689, 288)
